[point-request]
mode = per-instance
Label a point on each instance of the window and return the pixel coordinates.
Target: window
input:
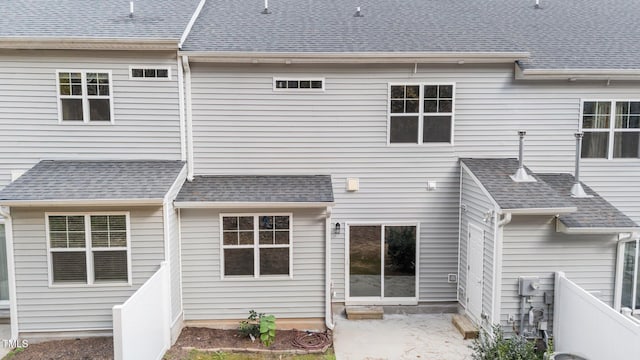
(256, 245)
(84, 96)
(141, 72)
(298, 84)
(88, 248)
(611, 129)
(421, 113)
(630, 291)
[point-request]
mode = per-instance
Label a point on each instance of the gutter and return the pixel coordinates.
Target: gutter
(264, 57)
(85, 202)
(576, 74)
(541, 211)
(249, 205)
(71, 43)
(562, 228)
(328, 283)
(11, 272)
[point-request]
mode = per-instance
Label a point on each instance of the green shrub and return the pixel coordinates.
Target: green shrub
(494, 346)
(259, 325)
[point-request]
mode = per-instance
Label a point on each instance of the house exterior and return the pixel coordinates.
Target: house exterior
(321, 151)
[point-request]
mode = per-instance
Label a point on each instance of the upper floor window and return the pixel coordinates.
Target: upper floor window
(85, 96)
(421, 113)
(141, 72)
(256, 245)
(611, 129)
(88, 248)
(300, 84)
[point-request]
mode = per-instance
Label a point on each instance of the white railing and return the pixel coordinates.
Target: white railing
(585, 326)
(141, 325)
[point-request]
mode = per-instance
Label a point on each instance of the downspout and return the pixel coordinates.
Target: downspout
(189, 116)
(328, 283)
(11, 270)
(181, 115)
(499, 224)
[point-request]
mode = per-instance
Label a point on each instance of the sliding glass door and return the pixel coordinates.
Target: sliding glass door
(382, 263)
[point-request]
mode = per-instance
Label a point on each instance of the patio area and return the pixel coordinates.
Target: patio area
(416, 336)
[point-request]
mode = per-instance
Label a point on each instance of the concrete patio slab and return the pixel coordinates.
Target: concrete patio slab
(400, 337)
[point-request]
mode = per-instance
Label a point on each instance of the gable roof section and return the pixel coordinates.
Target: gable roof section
(594, 212)
(94, 20)
(249, 190)
(60, 182)
(567, 34)
(549, 195)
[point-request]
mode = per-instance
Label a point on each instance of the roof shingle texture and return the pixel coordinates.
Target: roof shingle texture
(549, 191)
(562, 34)
(592, 212)
(94, 180)
(153, 19)
(252, 188)
(494, 174)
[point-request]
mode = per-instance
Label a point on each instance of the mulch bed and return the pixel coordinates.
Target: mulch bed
(97, 348)
(228, 340)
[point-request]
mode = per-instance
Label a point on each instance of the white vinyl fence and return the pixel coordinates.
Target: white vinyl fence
(583, 325)
(141, 326)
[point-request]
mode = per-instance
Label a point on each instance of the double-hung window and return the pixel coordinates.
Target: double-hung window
(611, 129)
(88, 248)
(85, 96)
(421, 114)
(256, 245)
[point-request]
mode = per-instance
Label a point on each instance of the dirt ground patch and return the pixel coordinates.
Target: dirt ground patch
(97, 348)
(204, 338)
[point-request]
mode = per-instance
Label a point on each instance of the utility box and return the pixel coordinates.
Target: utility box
(529, 285)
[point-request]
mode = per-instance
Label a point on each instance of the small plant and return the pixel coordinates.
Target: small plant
(259, 325)
(251, 327)
(494, 346)
(267, 329)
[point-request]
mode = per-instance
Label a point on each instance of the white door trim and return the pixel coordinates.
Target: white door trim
(380, 300)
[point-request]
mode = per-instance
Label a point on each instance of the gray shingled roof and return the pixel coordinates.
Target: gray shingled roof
(494, 176)
(153, 19)
(563, 34)
(594, 212)
(256, 189)
(550, 191)
(93, 180)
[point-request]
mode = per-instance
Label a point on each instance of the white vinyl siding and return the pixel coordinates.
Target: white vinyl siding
(238, 119)
(44, 308)
(532, 247)
(207, 296)
(146, 113)
(477, 210)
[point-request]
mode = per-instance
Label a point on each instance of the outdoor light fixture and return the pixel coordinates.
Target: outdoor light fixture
(336, 229)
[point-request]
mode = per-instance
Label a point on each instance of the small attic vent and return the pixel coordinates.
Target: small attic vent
(144, 72)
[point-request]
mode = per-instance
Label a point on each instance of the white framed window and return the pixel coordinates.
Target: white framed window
(628, 283)
(89, 248)
(85, 96)
(611, 129)
(256, 245)
(141, 72)
(421, 113)
(298, 84)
